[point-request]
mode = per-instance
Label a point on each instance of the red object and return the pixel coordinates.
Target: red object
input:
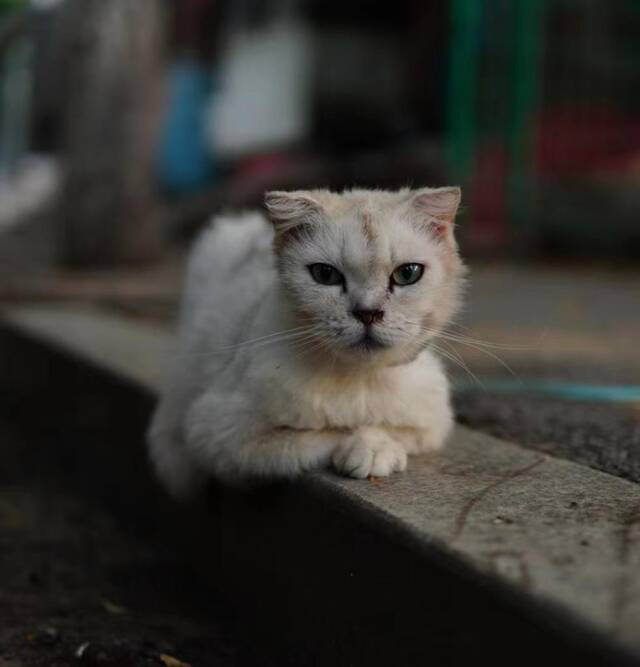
(487, 230)
(583, 141)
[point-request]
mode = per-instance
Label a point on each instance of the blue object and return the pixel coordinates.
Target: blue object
(576, 392)
(185, 162)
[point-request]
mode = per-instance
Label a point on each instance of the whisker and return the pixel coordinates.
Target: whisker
(469, 342)
(311, 345)
(483, 343)
(462, 363)
(267, 340)
(502, 362)
(294, 330)
(540, 338)
(304, 342)
(453, 359)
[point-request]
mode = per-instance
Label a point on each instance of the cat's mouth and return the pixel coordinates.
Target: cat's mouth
(369, 343)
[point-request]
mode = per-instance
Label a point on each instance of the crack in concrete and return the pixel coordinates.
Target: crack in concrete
(463, 516)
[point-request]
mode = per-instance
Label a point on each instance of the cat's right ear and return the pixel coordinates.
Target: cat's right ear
(289, 211)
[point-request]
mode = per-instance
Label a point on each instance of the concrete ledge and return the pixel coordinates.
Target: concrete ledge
(482, 546)
(123, 347)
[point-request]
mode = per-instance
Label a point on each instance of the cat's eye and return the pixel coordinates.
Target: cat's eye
(325, 274)
(407, 274)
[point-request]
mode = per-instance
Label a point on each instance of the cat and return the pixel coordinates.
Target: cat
(304, 339)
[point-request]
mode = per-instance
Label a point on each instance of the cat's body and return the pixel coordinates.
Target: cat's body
(277, 374)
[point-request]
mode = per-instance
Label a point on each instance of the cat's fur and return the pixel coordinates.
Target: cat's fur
(246, 400)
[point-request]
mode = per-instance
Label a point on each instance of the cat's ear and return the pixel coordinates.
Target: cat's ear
(288, 210)
(437, 208)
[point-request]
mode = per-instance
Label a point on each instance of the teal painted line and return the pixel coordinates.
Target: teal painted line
(575, 392)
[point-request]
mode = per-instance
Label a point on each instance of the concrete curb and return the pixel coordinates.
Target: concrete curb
(487, 550)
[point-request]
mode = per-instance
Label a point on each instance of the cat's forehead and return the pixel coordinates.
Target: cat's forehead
(375, 237)
(366, 230)
(353, 203)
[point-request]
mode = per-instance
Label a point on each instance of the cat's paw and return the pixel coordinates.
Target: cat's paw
(369, 452)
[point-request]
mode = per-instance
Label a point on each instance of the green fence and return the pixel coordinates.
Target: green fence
(544, 123)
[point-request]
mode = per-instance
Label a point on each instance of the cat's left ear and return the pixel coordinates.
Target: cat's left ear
(437, 208)
(289, 210)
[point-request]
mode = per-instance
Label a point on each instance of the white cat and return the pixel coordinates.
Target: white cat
(305, 339)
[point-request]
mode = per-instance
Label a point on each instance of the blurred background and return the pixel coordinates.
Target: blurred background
(126, 124)
(140, 119)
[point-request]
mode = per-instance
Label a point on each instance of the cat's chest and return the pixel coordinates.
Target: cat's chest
(305, 401)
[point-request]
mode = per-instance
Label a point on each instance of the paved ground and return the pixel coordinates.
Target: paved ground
(567, 322)
(561, 329)
(76, 589)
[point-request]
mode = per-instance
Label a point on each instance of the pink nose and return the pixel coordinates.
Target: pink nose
(368, 317)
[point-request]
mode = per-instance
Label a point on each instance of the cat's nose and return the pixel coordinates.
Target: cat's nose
(368, 317)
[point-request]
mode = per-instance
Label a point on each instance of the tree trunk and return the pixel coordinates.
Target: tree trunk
(112, 56)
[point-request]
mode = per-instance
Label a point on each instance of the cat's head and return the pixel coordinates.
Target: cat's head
(374, 274)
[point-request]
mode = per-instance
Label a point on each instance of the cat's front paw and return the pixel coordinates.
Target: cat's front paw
(369, 452)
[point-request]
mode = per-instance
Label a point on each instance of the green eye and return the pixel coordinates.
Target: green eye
(325, 274)
(407, 274)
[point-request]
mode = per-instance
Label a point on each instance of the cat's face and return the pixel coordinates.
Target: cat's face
(373, 274)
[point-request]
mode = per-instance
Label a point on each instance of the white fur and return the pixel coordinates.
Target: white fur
(245, 399)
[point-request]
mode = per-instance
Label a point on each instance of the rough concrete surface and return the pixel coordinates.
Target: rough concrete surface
(601, 435)
(560, 531)
(129, 348)
(557, 530)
